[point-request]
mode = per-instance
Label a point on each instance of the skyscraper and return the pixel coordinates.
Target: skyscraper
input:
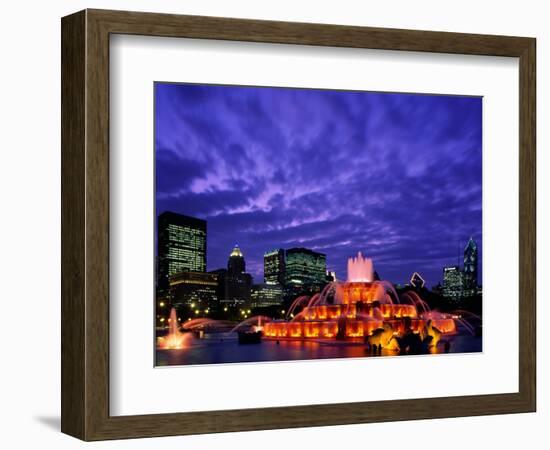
(237, 283)
(274, 267)
(236, 264)
(181, 245)
(470, 268)
(305, 267)
(452, 283)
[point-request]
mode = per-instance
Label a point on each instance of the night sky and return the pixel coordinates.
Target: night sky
(397, 176)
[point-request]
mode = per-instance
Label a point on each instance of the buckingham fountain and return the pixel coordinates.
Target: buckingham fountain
(361, 309)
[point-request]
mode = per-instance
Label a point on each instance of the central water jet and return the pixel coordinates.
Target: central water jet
(360, 269)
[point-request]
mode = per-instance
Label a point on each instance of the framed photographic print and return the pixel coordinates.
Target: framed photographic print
(270, 224)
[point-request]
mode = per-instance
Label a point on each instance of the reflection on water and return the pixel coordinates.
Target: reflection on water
(223, 348)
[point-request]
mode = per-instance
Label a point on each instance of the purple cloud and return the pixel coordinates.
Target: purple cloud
(397, 176)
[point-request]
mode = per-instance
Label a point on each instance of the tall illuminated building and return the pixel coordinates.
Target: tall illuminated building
(181, 246)
(453, 286)
(236, 263)
(305, 267)
(470, 268)
(274, 267)
(462, 284)
(237, 283)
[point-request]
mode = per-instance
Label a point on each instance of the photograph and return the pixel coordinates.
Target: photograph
(299, 224)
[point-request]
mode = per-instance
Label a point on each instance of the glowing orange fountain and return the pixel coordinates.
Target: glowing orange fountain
(361, 307)
(174, 339)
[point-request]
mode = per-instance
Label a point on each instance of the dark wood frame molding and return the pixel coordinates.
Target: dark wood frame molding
(85, 224)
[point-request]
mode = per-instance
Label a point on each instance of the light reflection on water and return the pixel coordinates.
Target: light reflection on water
(224, 348)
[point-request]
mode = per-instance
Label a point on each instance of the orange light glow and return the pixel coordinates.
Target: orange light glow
(361, 308)
(172, 341)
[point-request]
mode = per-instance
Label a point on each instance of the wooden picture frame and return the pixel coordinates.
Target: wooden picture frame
(85, 224)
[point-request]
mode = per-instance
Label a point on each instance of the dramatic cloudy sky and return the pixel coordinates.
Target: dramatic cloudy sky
(397, 176)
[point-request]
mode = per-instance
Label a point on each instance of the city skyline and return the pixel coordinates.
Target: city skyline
(396, 176)
(268, 275)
